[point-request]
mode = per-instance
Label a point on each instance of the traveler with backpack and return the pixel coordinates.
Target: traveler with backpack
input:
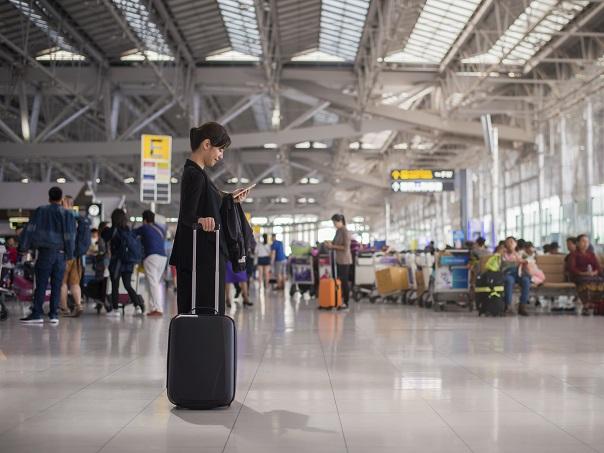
(74, 267)
(52, 234)
(153, 237)
(126, 252)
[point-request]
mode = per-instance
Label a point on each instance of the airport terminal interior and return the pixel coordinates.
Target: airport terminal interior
(398, 213)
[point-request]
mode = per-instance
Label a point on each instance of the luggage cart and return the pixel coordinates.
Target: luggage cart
(392, 280)
(451, 281)
(302, 275)
(364, 274)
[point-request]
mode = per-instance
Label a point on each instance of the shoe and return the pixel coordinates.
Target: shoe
(77, 312)
(31, 320)
(64, 311)
(115, 313)
(155, 314)
(54, 320)
(343, 307)
(522, 310)
(248, 303)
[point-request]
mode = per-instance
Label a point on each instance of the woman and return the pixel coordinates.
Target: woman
(341, 245)
(200, 202)
(263, 252)
(120, 266)
(511, 266)
(585, 271)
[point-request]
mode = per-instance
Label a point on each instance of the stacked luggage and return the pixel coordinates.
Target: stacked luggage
(490, 289)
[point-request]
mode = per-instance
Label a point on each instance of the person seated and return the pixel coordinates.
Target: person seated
(585, 271)
(571, 245)
(479, 249)
(511, 266)
(554, 249)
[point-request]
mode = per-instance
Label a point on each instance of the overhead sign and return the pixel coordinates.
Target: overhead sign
(156, 168)
(422, 180)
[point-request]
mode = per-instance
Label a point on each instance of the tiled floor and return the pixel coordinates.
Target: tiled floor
(379, 378)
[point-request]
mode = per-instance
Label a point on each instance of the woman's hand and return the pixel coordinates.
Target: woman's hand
(207, 223)
(240, 195)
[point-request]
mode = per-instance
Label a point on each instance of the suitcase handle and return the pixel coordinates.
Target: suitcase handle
(196, 227)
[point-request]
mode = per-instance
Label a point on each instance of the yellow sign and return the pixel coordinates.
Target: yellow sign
(421, 174)
(157, 147)
(156, 168)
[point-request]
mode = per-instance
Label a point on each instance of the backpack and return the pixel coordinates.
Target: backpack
(131, 251)
(83, 236)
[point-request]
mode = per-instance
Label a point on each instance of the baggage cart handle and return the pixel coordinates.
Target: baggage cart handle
(196, 227)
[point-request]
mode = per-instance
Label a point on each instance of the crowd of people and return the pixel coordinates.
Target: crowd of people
(60, 239)
(518, 263)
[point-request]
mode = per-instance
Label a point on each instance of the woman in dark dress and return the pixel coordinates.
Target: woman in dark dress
(200, 202)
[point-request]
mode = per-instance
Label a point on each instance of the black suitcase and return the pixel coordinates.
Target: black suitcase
(202, 353)
(489, 293)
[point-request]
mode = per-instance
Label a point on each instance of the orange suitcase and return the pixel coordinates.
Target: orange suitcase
(330, 293)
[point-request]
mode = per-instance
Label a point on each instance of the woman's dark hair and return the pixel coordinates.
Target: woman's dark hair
(338, 218)
(149, 216)
(212, 131)
(572, 239)
(119, 219)
(265, 238)
(581, 236)
(480, 241)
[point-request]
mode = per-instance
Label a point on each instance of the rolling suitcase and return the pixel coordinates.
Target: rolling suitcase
(202, 352)
(489, 293)
(330, 290)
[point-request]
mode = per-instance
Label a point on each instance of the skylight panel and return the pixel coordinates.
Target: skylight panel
(62, 50)
(240, 20)
(317, 55)
(138, 18)
(58, 54)
(436, 29)
(342, 23)
(545, 18)
(231, 55)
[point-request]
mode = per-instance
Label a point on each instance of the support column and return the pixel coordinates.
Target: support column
(387, 226)
(540, 182)
(589, 161)
(466, 200)
(495, 219)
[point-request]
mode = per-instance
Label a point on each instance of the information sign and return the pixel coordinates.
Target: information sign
(156, 168)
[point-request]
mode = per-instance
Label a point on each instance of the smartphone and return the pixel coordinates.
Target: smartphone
(247, 189)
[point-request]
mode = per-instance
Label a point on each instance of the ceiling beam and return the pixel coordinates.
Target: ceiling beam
(182, 144)
(466, 33)
(417, 118)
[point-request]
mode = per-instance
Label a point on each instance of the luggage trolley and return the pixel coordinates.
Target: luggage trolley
(392, 279)
(451, 283)
(301, 268)
(364, 275)
(303, 276)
